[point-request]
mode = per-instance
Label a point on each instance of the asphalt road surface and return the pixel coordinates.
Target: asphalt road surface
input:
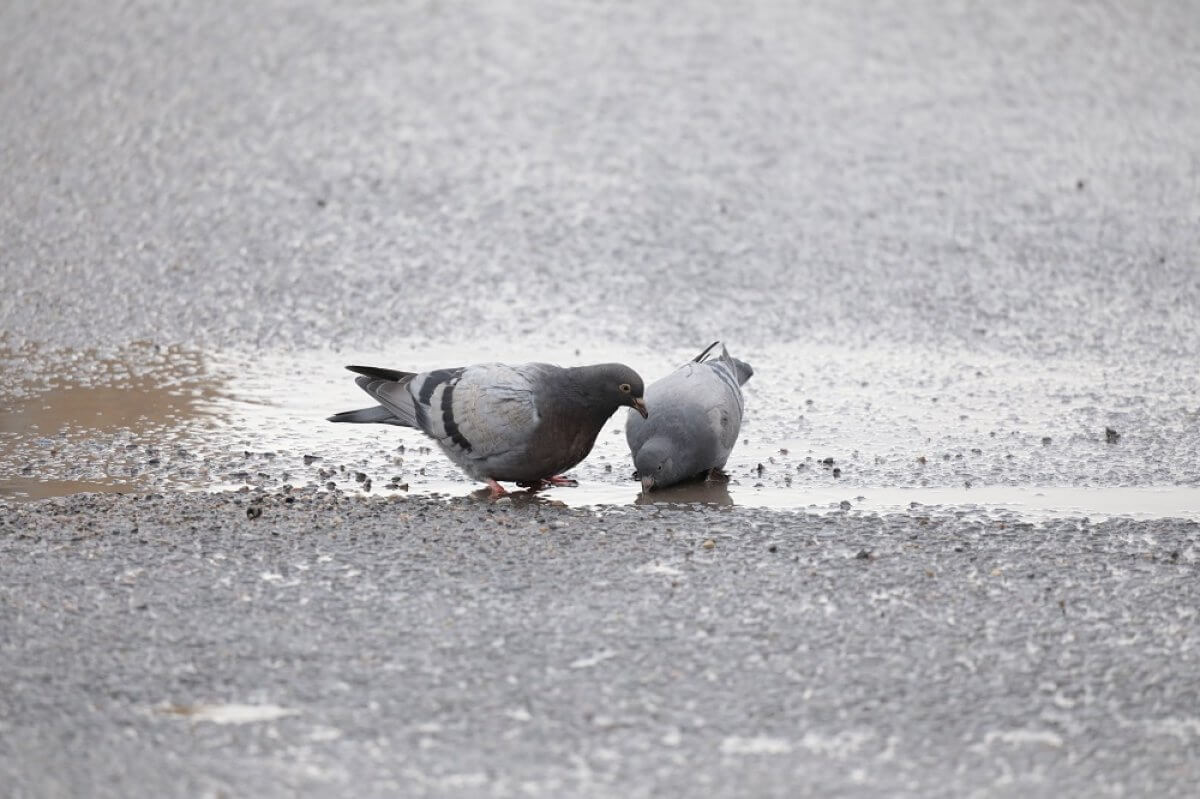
(958, 243)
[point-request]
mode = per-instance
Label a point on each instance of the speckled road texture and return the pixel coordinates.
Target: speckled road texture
(946, 202)
(434, 650)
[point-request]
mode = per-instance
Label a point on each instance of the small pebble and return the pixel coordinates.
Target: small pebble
(708, 543)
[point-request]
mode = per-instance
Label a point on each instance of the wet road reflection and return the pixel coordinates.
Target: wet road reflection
(34, 488)
(702, 492)
(99, 423)
(826, 431)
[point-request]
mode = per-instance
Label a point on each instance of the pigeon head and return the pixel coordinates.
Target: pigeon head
(656, 464)
(613, 385)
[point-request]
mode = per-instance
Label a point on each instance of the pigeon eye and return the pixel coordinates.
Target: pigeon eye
(626, 388)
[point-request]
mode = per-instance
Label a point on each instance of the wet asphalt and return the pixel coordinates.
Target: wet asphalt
(1014, 186)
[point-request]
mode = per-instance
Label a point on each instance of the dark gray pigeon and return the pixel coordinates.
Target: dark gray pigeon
(526, 423)
(697, 412)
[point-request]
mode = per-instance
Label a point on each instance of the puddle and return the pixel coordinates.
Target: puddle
(32, 488)
(96, 422)
(701, 493)
(861, 430)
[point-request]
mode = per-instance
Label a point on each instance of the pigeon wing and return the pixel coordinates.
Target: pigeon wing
(480, 412)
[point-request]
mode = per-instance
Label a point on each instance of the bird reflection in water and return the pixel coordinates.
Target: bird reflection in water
(705, 492)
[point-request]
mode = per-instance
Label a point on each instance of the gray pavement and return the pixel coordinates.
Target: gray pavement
(467, 650)
(988, 210)
(302, 174)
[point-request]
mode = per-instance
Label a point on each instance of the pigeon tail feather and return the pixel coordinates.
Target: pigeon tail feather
(376, 415)
(381, 373)
(704, 355)
(389, 388)
(741, 370)
(744, 370)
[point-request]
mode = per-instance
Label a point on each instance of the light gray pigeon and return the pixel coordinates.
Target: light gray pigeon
(697, 412)
(526, 423)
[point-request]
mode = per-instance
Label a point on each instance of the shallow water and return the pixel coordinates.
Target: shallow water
(855, 429)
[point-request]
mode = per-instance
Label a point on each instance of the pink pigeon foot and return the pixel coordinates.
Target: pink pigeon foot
(495, 490)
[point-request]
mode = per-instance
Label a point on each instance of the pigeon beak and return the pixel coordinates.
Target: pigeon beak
(647, 483)
(640, 406)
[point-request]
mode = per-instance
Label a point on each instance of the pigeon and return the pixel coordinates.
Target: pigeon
(525, 423)
(696, 412)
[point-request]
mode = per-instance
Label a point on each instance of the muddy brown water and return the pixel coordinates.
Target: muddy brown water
(876, 429)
